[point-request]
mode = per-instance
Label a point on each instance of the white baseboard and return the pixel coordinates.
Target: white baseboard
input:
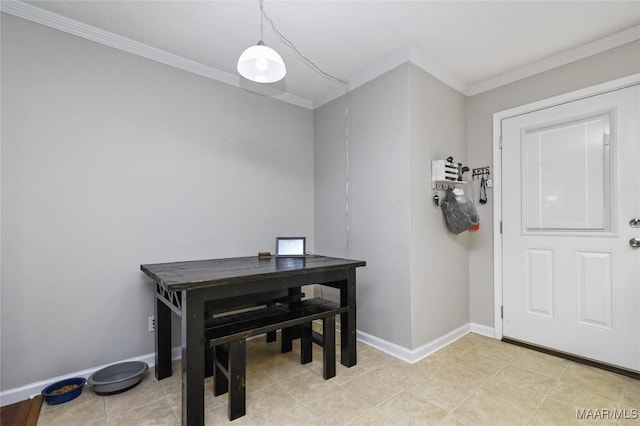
(483, 330)
(411, 356)
(31, 390)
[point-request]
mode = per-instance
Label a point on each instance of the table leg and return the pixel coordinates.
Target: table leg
(162, 339)
(288, 334)
(192, 358)
(348, 320)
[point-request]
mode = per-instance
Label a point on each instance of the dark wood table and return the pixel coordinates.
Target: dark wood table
(187, 287)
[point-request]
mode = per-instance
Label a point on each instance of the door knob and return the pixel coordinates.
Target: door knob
(634, 242)
(635, 222)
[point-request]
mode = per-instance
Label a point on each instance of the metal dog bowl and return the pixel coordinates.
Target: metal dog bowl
(118, 377)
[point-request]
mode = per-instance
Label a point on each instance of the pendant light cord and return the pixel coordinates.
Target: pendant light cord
(261, 21)
(295, 50)
(347, 192)
(324, 74)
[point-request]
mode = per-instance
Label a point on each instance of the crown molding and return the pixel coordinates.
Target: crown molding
(422, 61)
(563, 58)
(409, 54)
(364, 77)
(79, 29)
(71, 26)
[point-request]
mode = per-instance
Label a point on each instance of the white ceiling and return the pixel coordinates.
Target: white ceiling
(470, 45)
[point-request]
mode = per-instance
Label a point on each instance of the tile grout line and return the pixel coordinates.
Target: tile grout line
(475, 391)
(373, 407)
(498, 372)
(385, 400)
(624, 392)
(546, 395)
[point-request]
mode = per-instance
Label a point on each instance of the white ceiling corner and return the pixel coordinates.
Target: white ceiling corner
(471, 46)
(566, 57)
(77, 28)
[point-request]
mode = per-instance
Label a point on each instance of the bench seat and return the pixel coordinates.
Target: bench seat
(227, 335)
(230, 305)
(224, 329)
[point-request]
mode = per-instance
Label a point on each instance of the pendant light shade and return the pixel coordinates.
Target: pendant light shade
(261, 64)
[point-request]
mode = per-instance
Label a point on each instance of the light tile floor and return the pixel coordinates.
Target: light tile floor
(474, 381)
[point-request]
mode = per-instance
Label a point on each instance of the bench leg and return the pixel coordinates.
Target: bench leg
(329, 347)
(271, 335)
(209, 359)
(286, 344)
(220, 360)
(306, 344)
(237, 379)
(229, 375)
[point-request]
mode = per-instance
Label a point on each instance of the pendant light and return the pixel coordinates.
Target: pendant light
(260, 63)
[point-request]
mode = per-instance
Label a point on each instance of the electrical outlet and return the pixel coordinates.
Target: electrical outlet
(152, 324)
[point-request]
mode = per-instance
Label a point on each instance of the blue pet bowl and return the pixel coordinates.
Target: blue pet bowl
(59, 398)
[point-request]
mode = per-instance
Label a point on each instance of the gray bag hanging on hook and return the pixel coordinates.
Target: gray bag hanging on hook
(459, 212)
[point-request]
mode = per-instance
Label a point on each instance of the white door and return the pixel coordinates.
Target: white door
(571, 190)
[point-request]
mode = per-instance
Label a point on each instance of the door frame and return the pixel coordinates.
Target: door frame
(497, 172)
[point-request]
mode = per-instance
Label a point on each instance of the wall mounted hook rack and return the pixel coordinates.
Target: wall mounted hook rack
(444, 185)
(480, 171)
(445, 175)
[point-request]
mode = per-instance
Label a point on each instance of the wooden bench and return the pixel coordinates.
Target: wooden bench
(227, 336)
(254, 301)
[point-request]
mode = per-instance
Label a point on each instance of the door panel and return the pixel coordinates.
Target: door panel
(595, 288)
(571, 185)
(540, 284)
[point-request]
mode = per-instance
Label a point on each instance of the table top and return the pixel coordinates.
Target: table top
(175, 276)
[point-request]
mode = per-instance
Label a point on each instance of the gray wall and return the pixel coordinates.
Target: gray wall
(414, 287)
(110, 160)
(379, 209)
(606, 66)
(439, 267)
